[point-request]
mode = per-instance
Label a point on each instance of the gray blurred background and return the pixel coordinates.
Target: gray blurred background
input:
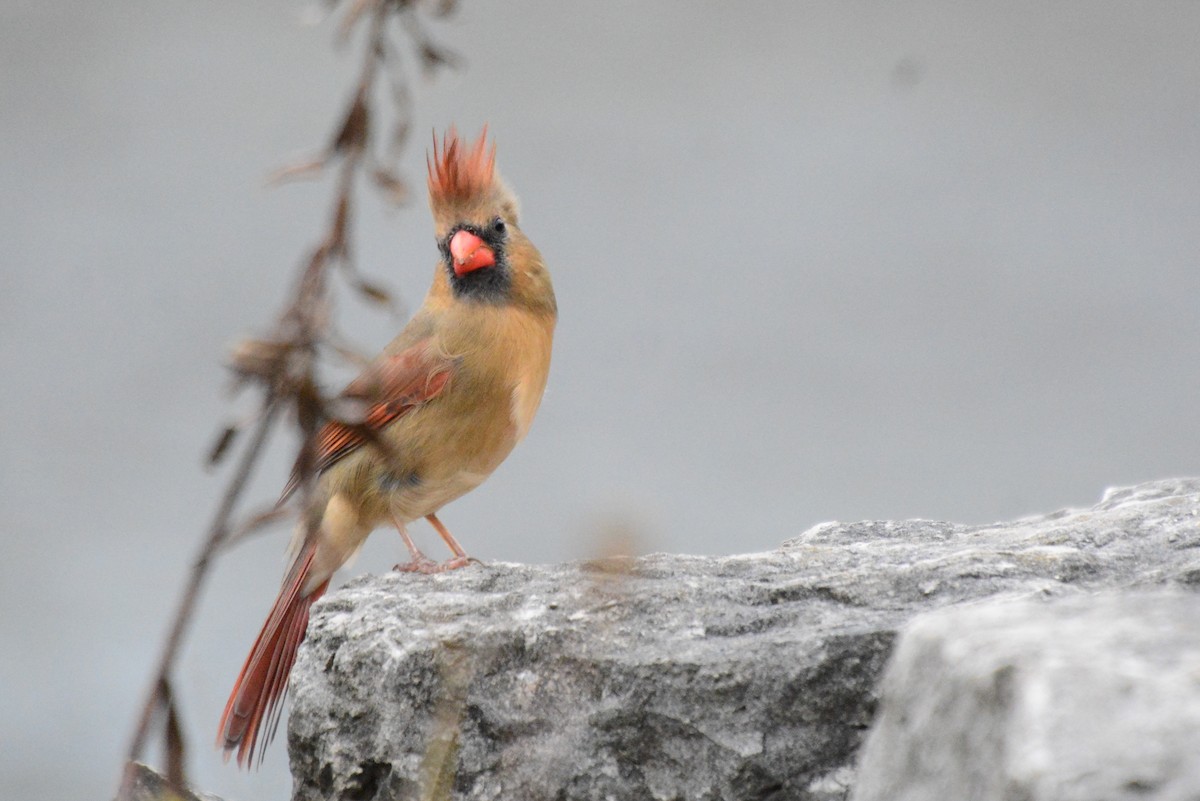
(815, 261)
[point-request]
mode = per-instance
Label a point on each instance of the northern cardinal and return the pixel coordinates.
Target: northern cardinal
(449, 398)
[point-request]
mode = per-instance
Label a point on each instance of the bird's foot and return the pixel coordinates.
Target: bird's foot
(459, 561)
(418, 564)
(427, 566)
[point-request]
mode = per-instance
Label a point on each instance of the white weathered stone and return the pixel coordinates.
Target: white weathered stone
(675, 676)
(1084, 698)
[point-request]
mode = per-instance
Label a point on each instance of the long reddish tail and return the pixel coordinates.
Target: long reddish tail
(258, 692)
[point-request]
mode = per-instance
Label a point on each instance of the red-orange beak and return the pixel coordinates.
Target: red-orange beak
(469, 253)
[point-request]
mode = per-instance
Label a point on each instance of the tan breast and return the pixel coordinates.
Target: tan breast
(489, 406)
(518, 355)
(527, 396)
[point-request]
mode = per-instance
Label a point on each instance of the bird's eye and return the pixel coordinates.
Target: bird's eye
(498, 226)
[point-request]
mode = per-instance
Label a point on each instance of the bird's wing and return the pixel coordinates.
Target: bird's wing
(392, 386)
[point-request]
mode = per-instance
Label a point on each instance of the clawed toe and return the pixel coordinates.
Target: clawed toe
(427, 566)
(457, 562)
(422, 564)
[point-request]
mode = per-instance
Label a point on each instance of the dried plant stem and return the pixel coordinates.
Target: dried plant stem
(217, 532)
(285, 364)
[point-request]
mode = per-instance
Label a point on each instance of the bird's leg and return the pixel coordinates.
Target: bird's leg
(420, 563)
(460, 556)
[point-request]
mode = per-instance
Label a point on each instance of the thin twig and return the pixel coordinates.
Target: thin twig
(285, 365)
(217, 531)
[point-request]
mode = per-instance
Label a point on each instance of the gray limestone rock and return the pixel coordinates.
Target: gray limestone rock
(674, 677)
(1079, 699)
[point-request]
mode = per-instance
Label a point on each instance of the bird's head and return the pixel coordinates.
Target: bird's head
(475, 218)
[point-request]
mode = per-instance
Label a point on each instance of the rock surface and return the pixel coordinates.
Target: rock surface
(1076, 700)
(674, 677)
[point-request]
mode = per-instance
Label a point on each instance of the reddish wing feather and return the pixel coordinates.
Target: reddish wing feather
(393, 386)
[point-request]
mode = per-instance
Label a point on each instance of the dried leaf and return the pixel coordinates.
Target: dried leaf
(392, 184)
(353, 132)
(374, 293)
(261, 358)
(434, 56)
(310, 406)
(308, 168)
(400, 133)
(221, 446)
(256, 523)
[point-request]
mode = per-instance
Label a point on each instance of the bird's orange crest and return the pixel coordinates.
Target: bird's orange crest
(457, 172)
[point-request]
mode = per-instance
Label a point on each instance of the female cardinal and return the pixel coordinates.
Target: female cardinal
(448, 399)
